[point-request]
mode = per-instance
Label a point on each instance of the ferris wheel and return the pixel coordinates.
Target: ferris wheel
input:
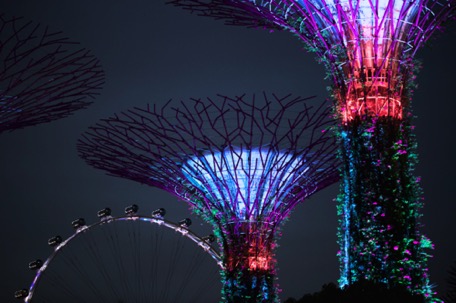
(129, 258)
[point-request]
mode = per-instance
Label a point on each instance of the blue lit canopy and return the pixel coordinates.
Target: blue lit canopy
(249, 158)
(241, 163)
(247, 177)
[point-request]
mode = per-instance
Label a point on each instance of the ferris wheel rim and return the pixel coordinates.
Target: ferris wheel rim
(160, 221)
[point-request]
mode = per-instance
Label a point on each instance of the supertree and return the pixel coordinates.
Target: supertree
(368, 49)
(41, 78)
(241, 163)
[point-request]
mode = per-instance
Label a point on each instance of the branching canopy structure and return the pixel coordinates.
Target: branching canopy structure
(241, 163)
(368, 49)
(367, 46)
(41, 78)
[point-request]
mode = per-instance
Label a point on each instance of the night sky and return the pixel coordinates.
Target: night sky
(151, 53)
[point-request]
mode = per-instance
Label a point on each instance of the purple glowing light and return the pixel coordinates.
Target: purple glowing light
(367, 46)
(325, 24)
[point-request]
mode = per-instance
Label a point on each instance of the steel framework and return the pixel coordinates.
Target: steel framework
(366, 45)
(41, 78)
(241, 163)
(367, 48)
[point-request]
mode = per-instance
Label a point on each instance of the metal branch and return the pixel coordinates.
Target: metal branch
(42, 78)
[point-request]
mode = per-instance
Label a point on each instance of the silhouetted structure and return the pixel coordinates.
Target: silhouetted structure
(450, 296)
(41, 78)
(241, 163)
(368, 49)
(360, 291)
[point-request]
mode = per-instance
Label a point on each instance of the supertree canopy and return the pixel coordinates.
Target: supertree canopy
(368, 49)
(241, 163)
(41, 78)
(367, 46)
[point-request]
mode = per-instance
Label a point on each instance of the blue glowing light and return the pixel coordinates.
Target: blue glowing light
(249, 181)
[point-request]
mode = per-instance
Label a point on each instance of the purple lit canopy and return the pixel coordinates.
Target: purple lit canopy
(328, 24)
(368, 50)
(366, 46)
(41, 77)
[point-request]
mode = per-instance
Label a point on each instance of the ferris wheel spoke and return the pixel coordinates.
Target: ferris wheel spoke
(127, 259)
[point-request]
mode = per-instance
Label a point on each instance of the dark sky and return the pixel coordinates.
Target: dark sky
(151, 53)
